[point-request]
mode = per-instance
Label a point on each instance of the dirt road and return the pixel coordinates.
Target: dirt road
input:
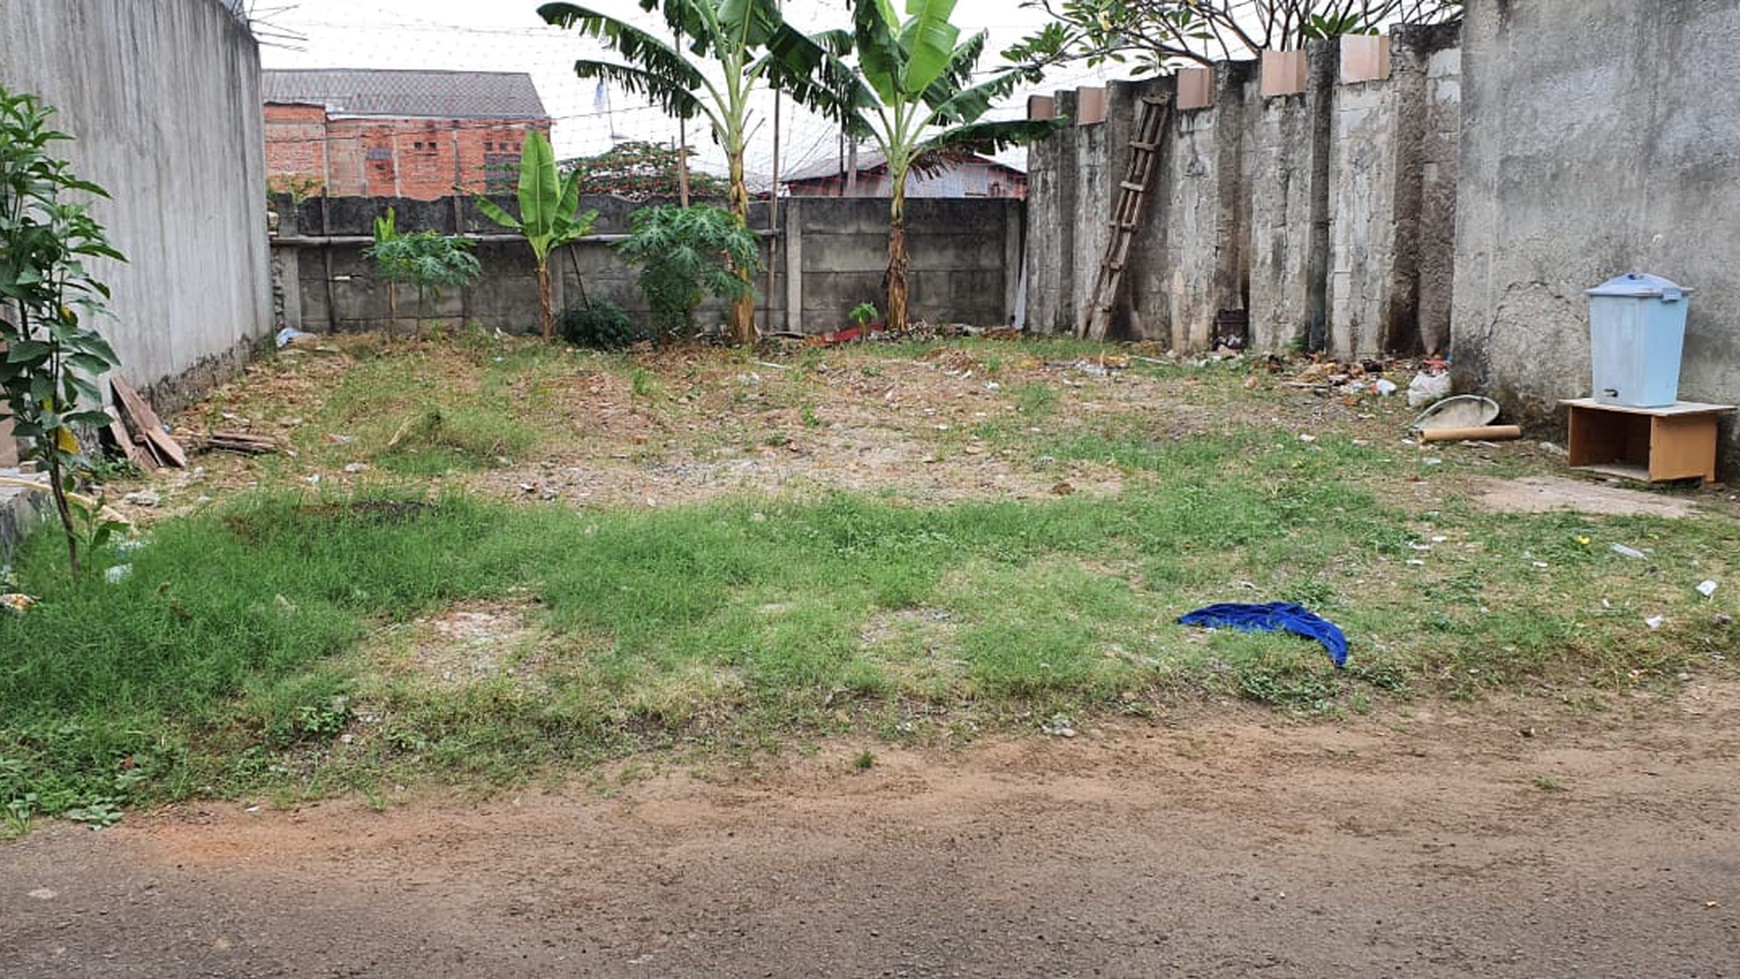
(1509, 840)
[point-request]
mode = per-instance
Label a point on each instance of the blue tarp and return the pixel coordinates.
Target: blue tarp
(1274, 617)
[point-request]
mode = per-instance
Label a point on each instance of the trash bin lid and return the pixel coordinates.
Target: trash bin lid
(1640, 285)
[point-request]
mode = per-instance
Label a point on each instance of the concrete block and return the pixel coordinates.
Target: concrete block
(1090, 106)
(1364, 58)
(1284, 73)
(1195, 88)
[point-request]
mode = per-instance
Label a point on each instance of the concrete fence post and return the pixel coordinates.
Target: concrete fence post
(794, 266)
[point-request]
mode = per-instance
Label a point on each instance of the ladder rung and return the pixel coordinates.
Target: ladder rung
(1132, 185)
(1145, 147)
(1126, 225)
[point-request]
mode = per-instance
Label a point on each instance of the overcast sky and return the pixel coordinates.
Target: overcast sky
(508, 36)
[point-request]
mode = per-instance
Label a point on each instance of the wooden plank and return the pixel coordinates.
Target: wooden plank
(145, 421)
(124, 441)
(1677, 408)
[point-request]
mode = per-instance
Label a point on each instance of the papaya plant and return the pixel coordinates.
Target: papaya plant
(685, 254)
(550, 214)
(423, 259)
(48, 299)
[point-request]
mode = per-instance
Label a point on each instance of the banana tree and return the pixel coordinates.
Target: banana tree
(719, 53)
(915, 98)
(550, 214)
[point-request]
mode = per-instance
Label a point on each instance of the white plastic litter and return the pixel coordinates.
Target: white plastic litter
(1630, 552)
(1707, 588)
(1426, 388)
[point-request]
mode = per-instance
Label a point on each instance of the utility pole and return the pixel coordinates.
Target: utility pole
(773, 209)
(682, 161)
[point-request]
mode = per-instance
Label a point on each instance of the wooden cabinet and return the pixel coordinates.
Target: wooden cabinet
(1677, 441)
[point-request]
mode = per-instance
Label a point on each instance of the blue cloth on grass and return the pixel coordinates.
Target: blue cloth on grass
(1274, 617)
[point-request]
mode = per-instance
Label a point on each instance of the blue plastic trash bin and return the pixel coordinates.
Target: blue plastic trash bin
(1637, 325)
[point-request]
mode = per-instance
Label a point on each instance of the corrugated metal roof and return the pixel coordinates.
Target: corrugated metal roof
(868, 161)
(408, 94)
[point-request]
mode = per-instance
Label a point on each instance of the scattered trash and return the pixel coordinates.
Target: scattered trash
(1630, 552)
(1273, 617)
(1655, 621)
(289, 335)
(118, 573)
(1386, 387)
(1307, 438)
(1428, 387)
(128, 548)
(340, 439)
(1432, 461)
(1707, 588)
(356, 467)
(1480, 433)
(144, 498)
(1461, 411)
(1552, 449)
(16, 603)
(1059, 726)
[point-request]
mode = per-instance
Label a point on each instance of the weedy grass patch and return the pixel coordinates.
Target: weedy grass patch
(247, 647)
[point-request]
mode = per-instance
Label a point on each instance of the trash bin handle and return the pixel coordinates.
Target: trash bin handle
(1672, 295)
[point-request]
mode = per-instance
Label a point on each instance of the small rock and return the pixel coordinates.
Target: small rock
(44, 894)
(1655, 621)
(144, 498)
(356, 467)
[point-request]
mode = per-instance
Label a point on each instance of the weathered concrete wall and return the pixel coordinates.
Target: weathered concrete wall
(163, 99)
(1585, 160)
(831, 256)
(1309, 211)
(1288, 154)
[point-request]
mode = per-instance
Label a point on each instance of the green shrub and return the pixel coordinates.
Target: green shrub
(599, 324)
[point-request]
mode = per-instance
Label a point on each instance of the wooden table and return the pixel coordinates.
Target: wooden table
(1676, 441)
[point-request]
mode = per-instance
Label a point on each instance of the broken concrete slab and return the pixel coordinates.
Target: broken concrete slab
(1544, 494)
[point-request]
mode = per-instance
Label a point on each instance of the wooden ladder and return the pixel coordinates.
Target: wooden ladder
(1151, 129)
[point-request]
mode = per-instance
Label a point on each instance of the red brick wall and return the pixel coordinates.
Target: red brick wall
(424, 159)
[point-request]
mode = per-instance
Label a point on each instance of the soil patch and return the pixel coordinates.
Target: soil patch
(1543, 494)
(1514, 840)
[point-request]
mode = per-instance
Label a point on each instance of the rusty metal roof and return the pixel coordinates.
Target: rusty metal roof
(407, 94)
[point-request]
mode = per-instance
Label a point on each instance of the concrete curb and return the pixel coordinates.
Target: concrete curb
(20, 511)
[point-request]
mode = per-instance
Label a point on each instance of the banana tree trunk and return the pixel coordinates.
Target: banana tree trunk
(546, 314)
(894, 284)
(742, 310)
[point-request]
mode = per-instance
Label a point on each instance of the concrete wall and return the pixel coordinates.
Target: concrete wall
(829, 256)
(163, 99)
(1599, 138)
(1324, 214)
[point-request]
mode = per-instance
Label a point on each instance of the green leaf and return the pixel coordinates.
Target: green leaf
(28, 352)
(928, 42)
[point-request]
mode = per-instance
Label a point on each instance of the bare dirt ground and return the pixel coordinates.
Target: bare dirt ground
(1511, 840)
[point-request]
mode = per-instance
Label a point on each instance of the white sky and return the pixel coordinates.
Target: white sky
(509, 36)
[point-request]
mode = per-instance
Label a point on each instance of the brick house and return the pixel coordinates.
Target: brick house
(416, 134)
(963, 175)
